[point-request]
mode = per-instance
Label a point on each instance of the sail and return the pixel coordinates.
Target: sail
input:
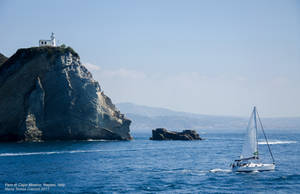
(250, 143)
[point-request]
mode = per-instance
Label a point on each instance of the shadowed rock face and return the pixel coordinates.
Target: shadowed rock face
(2, 59)
(163, 134)
(47, 94)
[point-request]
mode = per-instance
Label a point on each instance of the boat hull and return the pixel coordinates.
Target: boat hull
(252, 167)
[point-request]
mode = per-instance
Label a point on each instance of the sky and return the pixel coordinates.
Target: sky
(205, 56)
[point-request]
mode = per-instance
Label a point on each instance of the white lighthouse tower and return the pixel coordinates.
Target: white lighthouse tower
(51, 42)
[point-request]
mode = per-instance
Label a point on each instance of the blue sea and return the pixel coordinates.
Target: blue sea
(145, 166)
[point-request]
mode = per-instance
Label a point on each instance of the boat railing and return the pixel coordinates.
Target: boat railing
(250, 158)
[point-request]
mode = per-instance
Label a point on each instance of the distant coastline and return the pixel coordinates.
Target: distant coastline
(145, 118)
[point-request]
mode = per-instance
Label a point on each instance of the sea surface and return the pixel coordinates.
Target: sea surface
(144, 166)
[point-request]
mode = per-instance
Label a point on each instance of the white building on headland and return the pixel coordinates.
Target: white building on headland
(51, 42)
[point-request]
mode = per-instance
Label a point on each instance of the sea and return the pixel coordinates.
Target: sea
(145, 166)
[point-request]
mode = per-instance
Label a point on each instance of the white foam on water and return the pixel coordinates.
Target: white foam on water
(97, 140)
(63, 152)
(276, 142)
(220, 170)
(27, 153)
(48, 153)
(200, 172)
(41, 153)
(187, 171)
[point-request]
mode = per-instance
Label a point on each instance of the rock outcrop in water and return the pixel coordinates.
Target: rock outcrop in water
(163, 134)
(47, 94)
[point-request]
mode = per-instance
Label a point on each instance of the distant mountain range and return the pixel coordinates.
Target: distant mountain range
(145, 118)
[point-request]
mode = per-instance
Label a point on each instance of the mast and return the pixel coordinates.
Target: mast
(262, 128)
(255, 126)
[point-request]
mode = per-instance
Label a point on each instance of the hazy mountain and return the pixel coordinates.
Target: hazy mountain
(145, 118)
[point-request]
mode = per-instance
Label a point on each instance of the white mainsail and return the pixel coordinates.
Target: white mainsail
(250, 143)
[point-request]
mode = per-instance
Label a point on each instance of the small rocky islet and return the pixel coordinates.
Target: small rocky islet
(164, 134)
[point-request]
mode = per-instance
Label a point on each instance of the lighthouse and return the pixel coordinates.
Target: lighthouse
(51, 42)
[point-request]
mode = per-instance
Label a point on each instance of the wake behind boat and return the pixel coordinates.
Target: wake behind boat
(249, 159)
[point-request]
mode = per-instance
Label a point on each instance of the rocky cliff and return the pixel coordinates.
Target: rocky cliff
(47, 94)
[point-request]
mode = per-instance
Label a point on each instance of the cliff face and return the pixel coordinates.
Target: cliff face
(47, 94)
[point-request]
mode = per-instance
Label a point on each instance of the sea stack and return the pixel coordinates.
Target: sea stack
(164, 134)
(47, 94)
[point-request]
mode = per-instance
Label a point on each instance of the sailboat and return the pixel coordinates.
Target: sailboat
(249, 159)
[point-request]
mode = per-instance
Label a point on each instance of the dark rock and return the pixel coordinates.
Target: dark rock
(47, 94)
(163, 134)
(2, 59)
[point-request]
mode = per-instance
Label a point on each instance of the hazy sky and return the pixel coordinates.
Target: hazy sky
(211, 57)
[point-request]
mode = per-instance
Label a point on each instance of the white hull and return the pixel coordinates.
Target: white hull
(251, 167)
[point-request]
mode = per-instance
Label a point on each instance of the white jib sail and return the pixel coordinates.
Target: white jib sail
(250, 144)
